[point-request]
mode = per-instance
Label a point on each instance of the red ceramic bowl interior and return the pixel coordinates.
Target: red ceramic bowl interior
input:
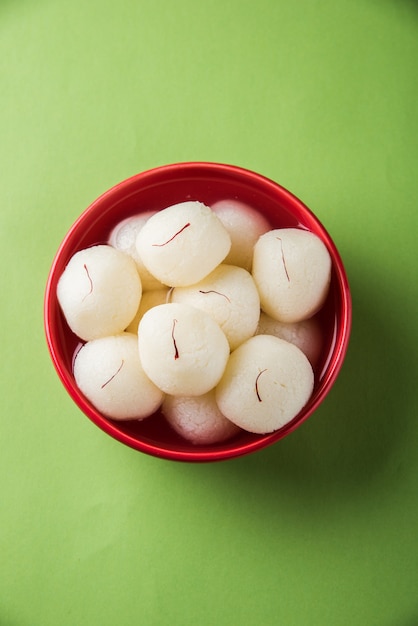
(154, 190)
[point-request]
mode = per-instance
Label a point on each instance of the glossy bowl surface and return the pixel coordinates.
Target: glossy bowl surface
(154, 190)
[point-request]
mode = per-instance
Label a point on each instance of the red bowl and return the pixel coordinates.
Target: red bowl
(154, 190)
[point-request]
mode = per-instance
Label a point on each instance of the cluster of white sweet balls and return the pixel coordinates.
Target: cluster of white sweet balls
(204, 311)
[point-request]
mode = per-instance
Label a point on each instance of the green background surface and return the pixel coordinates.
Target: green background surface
(320, 529)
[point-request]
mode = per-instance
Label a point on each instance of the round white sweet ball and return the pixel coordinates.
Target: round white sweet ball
(148, 301)
(123, 237)
(124, 234)
(109, 373)
(266, 383)
(183, 243)
(292, 271)
(229, 295)
(244, 225)
(306, 335)
(99, 292)
(182, 349)
(198, 418)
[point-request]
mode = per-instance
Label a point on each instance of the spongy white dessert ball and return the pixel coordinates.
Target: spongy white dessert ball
(149, 299)
(230, 296)
(306, 335)
(244, 225)
(123, 237)
(266, 383)
(109, 373)
(182, 349)
(198, 418)
(292, 270)
(183, 243)
(99, 292)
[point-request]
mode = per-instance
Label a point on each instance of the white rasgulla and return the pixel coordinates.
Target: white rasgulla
(149, 299)
(109, 373)
(306, 335)
(99, 292)
(123, 237)
(266, 383)
(182, 349)
(244, 225)
(292, 270)
(198, 418)
(183, 243)
(230, 296)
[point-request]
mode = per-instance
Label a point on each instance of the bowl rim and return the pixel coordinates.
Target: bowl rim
(332, 368)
